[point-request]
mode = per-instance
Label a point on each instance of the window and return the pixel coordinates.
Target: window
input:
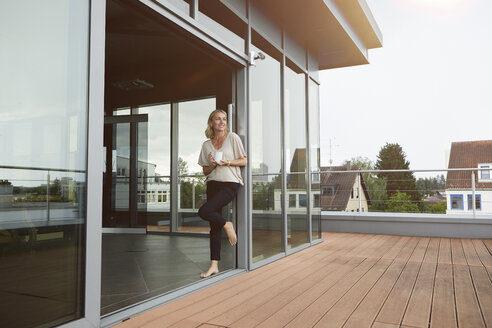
(485, 174)
(317, 200)
(292, 200)
(329, 190)
(478, 202)
(457, 202)
(352, 193)
(302, 200)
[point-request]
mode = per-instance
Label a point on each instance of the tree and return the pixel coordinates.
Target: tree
(439, 207)
(392, 157)
(182, 166)
(376, 187)
(401, 202)
(428, 186)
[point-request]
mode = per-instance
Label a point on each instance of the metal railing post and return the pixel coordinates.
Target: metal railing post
(473, 193)
(48, 196)
(359, 193)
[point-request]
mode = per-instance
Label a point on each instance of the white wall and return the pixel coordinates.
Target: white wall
(486, 202)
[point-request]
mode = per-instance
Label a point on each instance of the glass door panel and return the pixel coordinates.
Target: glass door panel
(296, 157)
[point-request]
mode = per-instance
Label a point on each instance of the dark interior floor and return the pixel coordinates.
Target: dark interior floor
(138, 267)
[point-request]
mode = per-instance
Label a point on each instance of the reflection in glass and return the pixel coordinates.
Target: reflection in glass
(154, 177)
(267, 216)
(314, 149)
(266, 157)
(43, 110)
(297, 226)
(295, 154)
(193, 117)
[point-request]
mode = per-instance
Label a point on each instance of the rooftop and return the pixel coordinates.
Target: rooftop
(349, 280)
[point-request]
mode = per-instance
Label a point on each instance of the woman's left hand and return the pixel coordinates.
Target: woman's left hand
(224, 163)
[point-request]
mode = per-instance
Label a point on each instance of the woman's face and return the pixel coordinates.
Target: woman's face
(219, 122)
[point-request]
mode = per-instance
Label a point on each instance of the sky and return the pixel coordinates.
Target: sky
(428, 86)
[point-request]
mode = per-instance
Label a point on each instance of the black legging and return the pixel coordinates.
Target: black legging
(219, 194)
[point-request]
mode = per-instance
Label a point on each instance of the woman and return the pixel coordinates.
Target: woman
(223, 181)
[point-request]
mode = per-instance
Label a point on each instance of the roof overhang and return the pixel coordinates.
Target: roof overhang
(338, 33)
(348, 31)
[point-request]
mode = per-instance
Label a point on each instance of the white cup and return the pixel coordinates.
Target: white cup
(218, 156)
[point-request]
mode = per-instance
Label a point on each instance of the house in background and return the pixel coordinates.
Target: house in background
(459, 193)
(341, 192)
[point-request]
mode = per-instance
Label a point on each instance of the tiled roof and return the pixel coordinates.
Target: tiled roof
(468, 154)
(344, 183)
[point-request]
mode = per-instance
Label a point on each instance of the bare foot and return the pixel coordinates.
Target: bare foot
(231, 234)
(213, 269)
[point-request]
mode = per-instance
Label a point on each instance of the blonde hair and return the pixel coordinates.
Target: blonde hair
(209, 132)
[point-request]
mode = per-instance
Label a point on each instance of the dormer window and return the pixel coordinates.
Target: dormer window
(484, 175)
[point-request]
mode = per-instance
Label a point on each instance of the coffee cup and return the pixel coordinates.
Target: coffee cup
(218, 156)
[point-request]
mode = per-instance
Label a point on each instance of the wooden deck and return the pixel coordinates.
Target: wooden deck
(349, 280)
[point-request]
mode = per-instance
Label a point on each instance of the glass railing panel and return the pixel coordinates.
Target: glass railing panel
(452, 191)
(267, 216)
(192, 191)
(154, 199)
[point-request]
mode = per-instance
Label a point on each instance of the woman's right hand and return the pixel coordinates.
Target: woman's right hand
(212, 159)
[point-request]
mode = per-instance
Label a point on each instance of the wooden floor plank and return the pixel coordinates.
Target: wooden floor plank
(218, 305)
(396, 303)
(470, 253)
(445, 251)
(295, 298)
(394, 251)
(368, 309)
(419, 252)
(467, 307)
(483, 287)
(294, 285)
(341, 311)
(443, 314)
(283, 315)
(253, 298)
(384, 325)
(328, 295)
(457, 254)
(483, 253)
(488, 244)
(432, 251)
(418, 310)
(315, 311)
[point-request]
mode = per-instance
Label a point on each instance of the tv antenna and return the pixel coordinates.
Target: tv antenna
(331, 146)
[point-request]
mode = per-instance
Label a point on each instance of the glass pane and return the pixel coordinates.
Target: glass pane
(193, 117)
(295, 154)
(266, 157)
(43, 110)
(154, 187)
(297, 225)
(295, 121)
(267, 216)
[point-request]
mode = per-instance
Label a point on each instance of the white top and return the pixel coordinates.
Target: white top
(232, 148)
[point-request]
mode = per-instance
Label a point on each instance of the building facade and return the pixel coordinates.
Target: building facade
(103, 107)
(470, 192)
